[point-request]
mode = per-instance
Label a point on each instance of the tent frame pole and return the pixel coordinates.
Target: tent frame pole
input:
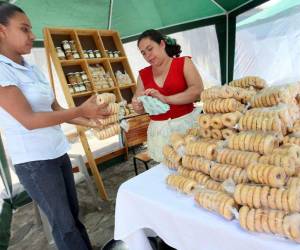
(111, 3)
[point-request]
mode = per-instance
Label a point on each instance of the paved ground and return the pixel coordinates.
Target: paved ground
(27, 234)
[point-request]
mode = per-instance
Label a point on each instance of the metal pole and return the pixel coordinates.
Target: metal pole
(111, 3)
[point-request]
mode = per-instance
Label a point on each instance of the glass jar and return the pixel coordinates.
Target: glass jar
(60, 54)
(66, 45)
(84, 76)
(76, 87)
(82, 87)
(72, 45)
(116, 53)
(91, 54)
(77, 76)
(97, 53)
(71, 89)
(88, 85)
(69, 55)
(85, 54)
(71, 78)
(110, 54)
(75, 54)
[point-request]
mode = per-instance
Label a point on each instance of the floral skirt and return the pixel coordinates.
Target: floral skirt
(159, 132)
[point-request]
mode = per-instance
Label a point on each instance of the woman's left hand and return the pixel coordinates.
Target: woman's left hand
(155, 93)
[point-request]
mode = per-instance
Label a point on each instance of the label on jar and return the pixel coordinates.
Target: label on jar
(66, 45)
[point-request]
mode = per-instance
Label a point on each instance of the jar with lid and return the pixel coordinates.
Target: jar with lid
(66, 45)
(116, 53)
(75, 54)
(77, 76)
(69, 55)
(76, 87)
(97, 53)
(110, 54)
(60, 54)
(88, 85)
(85, 54)
(91, 54)
(82, 87)
(84, 76)
(71, 78)
(71, 89)
(72, 45)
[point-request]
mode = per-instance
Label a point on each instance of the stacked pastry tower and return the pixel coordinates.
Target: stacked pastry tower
(109, 126)
(271, 200)
(252, 152)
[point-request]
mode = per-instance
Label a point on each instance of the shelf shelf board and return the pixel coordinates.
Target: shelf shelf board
(96, 60)
(127, 86)
(117, 59)
(105, 90)
(82, 94)
(71, 62)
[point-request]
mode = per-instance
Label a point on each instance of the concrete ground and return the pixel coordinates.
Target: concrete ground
(28, 234)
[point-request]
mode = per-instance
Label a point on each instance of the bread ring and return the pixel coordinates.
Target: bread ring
(227, 132)
(257, 220)
(256, 197)
(276, 177)
(231, 119)
(204, 120)
(216, 122)
(251, 220)
(216, 134)
(243, 214)
(264, 196)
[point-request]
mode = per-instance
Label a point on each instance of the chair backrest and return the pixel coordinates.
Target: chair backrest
(137, 133)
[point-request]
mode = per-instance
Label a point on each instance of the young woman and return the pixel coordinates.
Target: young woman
(30, 118)
(171, 79)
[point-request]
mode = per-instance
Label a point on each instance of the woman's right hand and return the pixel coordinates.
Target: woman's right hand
(137, 104)
(90, 109)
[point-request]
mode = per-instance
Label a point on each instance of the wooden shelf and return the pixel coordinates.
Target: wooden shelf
(106, 90)
(96, 60)
(89, 39)
(72, 62)
(117, 59)
(127, 86)
(80, 94)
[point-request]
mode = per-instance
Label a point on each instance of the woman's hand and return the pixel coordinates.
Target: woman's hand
(155, 93)
(90, 109)
(137, 104)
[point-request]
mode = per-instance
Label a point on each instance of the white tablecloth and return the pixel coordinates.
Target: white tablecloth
(145, 202)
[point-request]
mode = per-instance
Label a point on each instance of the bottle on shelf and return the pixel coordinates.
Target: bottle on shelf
(60, 54)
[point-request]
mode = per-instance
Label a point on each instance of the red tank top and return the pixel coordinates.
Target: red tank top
(174, 84)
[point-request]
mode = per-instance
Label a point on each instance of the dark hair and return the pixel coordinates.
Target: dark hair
(7, 10)
(172, 48)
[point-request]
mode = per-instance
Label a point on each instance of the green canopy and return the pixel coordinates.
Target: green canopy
(131, 17)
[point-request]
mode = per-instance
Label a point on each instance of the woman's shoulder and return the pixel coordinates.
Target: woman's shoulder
(182, 58)
(146, 72)
(148, 68)
(179, 62)
(7, 75)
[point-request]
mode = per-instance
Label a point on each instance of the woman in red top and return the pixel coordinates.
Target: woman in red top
(171, 79)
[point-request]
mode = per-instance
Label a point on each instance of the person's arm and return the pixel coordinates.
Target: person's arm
(15, 103)
(76, 121)
(193, 91)
(136, 104)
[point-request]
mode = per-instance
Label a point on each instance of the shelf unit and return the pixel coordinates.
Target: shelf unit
(84, 40)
